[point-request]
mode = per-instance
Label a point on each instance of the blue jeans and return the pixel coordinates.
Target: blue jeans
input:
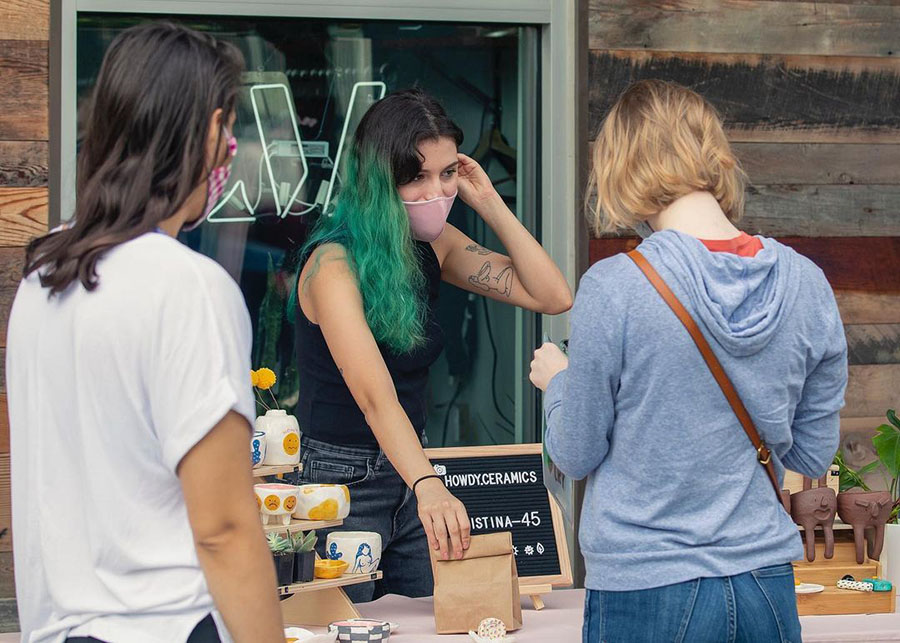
(381, 502)
(757, 606)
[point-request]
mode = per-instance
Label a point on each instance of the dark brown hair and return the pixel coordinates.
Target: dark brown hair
(144, 146)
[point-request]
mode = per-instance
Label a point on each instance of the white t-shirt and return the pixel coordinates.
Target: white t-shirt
(108, 390)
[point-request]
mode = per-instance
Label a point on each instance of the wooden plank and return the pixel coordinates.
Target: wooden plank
(868, 308)
(820, 163)
(823, 210)
(9, 619)
(24, 98)
(840, 29)
(274, 470)
(12, 261)
(871, 390)
(317, 608)
(604, 247)
(873, 343)
(859, 264)
(844, 553)
(869, 424)
(767, 98)
(827, 576)
(25, 20)
(4, 425)
(23, 164)
(23, 215)
(7, 578)
(302, 525)
(846, 601)
(5, 505)
(869, 264)
(329, 583)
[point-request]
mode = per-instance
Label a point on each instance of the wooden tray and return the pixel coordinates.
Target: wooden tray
(828, 572)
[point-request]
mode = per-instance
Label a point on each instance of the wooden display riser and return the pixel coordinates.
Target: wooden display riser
(277, 470)
(828, 575)
(302, 525)
(327, 583)
(322, 601)
(846, 601)
(828, 572)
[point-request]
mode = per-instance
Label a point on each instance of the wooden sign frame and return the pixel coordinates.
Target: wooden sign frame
(528, 585)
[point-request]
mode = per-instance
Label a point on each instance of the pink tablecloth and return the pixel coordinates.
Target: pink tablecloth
(560, 622)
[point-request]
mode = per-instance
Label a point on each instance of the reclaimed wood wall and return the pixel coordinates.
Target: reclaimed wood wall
(810, 92)
(24, 26)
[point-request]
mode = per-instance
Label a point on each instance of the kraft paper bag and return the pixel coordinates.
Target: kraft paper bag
(483, 584)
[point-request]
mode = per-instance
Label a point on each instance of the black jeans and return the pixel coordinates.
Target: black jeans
(379, 501)
(205, 632)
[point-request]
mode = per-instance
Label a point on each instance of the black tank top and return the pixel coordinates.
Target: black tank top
(326, 409)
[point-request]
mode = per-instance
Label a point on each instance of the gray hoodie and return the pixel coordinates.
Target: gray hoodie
(674, 489)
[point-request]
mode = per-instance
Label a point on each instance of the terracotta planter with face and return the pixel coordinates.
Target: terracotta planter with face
(867, 510)
(815, 507)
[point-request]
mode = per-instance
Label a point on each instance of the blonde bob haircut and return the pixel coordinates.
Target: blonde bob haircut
(659, 142)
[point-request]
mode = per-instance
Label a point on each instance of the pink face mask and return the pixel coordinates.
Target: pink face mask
(428, 218)
(215, 183)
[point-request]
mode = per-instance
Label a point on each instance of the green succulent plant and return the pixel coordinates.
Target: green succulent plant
(278, 543)
(304, 543)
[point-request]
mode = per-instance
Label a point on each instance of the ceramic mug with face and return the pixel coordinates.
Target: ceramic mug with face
(282, 437)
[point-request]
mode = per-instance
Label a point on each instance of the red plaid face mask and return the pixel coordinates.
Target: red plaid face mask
(215, 183)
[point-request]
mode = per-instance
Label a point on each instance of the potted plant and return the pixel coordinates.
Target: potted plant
(281, 430)
(304, 546)
(887, 447)
(283, 556)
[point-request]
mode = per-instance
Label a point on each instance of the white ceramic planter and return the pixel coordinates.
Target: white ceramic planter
(276, 502)
(361, 550)
(323, 502)
(282, 437)
(890, 555)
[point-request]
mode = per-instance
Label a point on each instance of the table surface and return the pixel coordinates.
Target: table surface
(560, 622)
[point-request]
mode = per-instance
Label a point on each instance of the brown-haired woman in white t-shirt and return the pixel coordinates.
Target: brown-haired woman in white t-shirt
(129, 393)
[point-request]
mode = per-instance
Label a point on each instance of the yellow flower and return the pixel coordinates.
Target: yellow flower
(265, 378)
(254, 378)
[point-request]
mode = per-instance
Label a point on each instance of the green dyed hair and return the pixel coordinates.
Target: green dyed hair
(371, 223)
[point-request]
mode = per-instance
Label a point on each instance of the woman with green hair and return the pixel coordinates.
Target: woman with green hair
(367, 332)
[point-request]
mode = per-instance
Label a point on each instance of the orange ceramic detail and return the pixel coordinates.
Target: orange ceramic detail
(330, 568)
(291, 444)
(327, 510)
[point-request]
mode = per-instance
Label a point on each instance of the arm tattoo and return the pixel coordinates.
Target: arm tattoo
(486, 281)
(474, 247)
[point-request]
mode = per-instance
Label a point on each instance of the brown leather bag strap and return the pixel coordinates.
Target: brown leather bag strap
(762, 452)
